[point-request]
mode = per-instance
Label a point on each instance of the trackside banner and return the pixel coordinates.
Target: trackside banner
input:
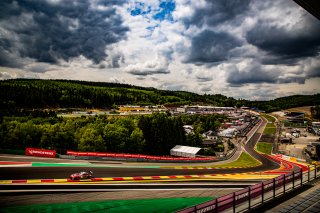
(41, 152)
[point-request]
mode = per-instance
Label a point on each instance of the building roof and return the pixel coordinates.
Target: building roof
(185, 151)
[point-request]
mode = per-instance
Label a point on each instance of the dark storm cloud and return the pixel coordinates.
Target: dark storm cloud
(254, 73)
(286, 46)
(218, 11)
(204, 78)
(40, 68)
(313, 70)
(145, 72)
(206, 89)
(47, 32)
(211, 47)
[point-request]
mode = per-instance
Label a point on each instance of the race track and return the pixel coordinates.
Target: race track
(119, 170)
(16, 173)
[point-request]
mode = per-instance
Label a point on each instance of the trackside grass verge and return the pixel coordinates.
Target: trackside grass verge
(270, 128)
(264, 147)
(113, 206)
(269, 118)
(269, 131)
(245, 160)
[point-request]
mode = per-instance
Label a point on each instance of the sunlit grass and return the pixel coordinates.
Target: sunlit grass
(245, 160)
(269, 118)
(270, 125)
(264, 147)
(269, 131)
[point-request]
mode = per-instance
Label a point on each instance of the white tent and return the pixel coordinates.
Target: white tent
(184, 151)
(227, 132)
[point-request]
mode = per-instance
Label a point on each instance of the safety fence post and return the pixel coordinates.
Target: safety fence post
(234, 202)
(301, 176)
(308, 173)
(217, 206)
(284, 184)
(293, 180)
(262, 192)
(249, 197)
(274, 187)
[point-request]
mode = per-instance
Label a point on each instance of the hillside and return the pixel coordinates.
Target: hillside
(27, 93)
(37, 94)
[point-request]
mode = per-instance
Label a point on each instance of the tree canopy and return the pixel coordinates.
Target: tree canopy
(17, 94)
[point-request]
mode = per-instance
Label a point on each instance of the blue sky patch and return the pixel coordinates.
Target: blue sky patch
(140, 9)
(161, 13)
(165, 10)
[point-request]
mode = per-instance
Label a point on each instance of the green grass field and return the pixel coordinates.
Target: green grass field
(269, 131)
(269, 118)
(130, 206)
(264, 147)
(245, 160)
(270, 125)
(270, 128)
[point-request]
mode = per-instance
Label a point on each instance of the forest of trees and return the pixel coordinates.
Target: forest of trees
(24, 93)
(152, 134)
(17, 94)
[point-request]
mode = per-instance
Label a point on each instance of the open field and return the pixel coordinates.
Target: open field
(264, 147)
(269, 131)
(270, 128)
(244, 160)
(269, 118)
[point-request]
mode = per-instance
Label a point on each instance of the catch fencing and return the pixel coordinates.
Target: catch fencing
(258, 194)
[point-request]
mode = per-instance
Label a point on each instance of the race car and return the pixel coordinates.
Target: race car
(81, 175)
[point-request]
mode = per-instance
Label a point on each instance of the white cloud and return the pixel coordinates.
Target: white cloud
(154, 52)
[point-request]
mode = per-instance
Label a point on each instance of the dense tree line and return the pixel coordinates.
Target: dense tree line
(17, 94)
(151, 134)
(27, 93)
(286, 102)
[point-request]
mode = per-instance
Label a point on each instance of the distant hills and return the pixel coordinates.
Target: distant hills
(35, 93)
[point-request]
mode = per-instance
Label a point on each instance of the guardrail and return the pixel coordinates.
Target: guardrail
(144, 158)
(256, 195)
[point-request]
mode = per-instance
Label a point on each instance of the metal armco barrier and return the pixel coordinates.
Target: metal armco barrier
(254, 196)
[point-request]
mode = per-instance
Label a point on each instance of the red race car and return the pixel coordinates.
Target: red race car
(81, 175)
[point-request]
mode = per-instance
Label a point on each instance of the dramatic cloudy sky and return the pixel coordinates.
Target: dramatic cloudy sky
(253, 49)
